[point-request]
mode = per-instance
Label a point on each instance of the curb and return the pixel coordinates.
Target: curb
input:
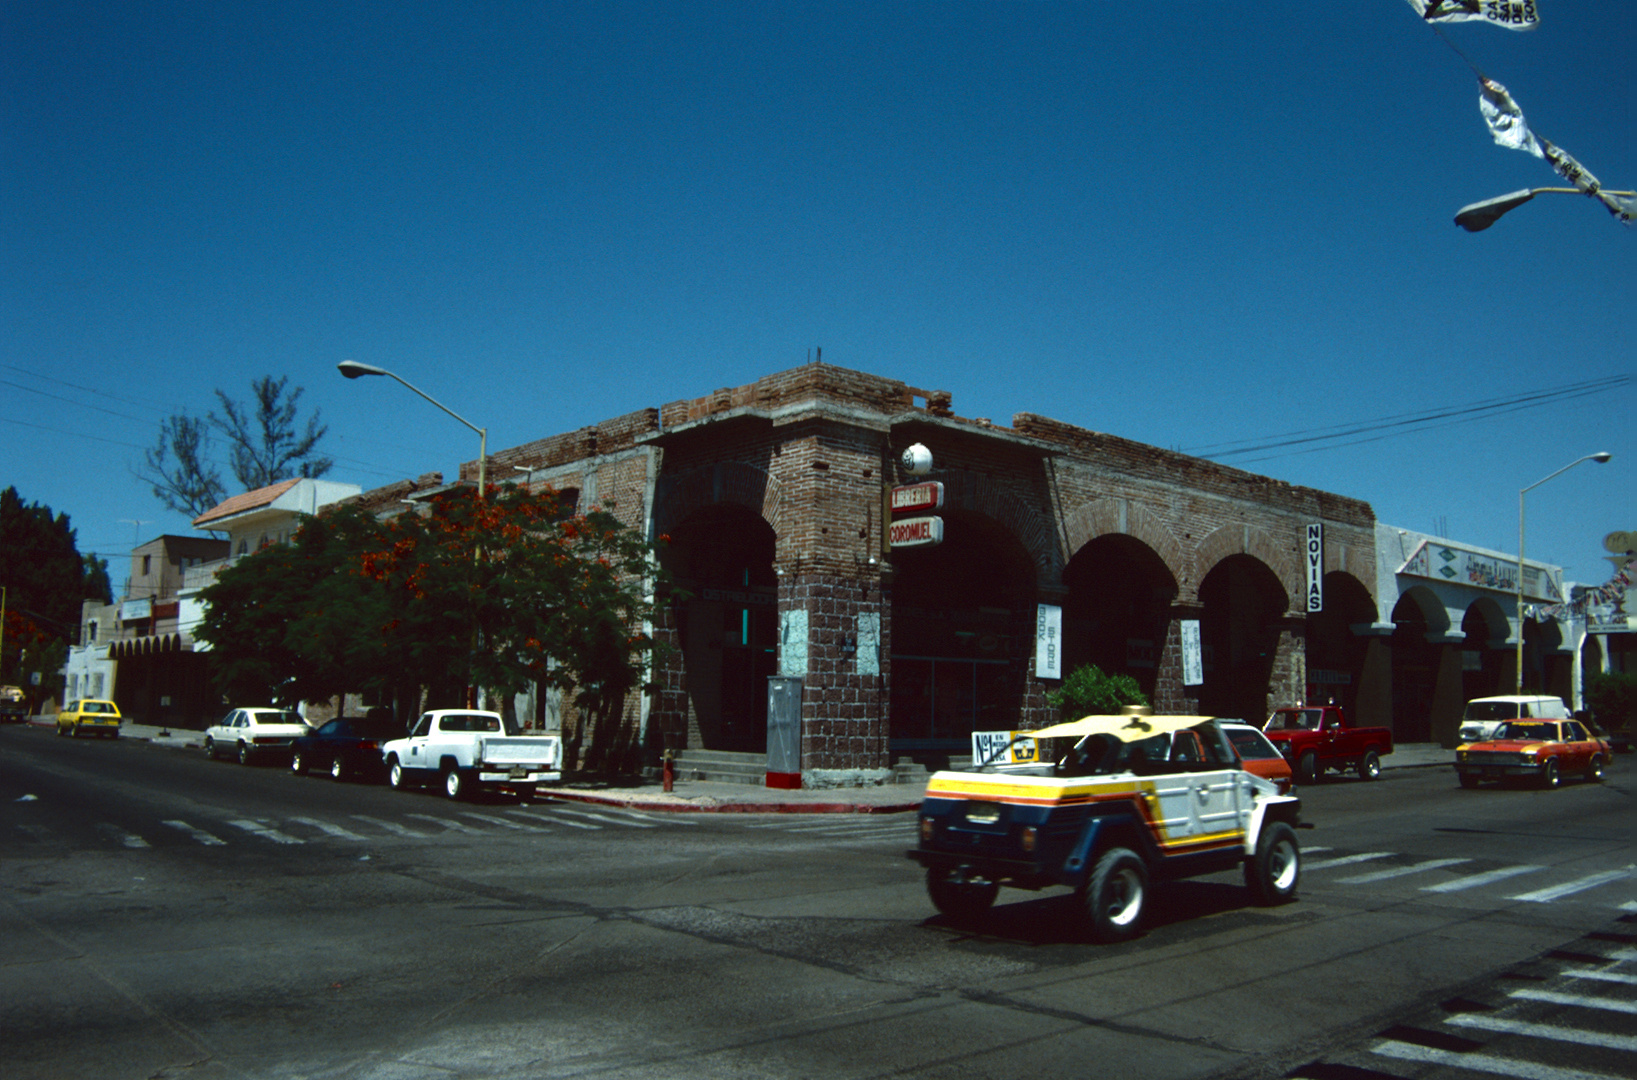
(736, 807)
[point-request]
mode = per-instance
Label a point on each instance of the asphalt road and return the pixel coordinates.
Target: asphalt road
(165, 916)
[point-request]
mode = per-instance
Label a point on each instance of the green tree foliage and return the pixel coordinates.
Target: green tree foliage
(501, 594)
(1090, 691)
(266, 443)
(45, 579)
(1612, 698)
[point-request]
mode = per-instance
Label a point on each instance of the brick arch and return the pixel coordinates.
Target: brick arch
(1243, 539)
(1101, 517)
(992, 498)
(732, 482)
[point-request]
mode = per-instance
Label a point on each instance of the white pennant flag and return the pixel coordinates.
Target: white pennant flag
(1512, 14)
(1509, 129)
(1505, 119)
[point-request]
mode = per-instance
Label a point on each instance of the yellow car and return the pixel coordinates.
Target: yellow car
(89, 718)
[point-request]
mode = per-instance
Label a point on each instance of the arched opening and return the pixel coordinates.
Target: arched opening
(962, 637)
(1483, 666)
(1335, 654)
(722, 556)
(1117, 609)
(1243, 601)
(1415, 663)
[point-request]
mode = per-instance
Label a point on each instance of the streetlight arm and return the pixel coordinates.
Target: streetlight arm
(1478, 216)
(352, 369)
(1600, 457)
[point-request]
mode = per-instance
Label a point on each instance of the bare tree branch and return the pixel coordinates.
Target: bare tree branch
(178, 466)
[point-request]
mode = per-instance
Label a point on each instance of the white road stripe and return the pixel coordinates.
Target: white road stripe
(1544, 1031)
(1345, 860)
(1488, 877)
(570, 822)
(1525, 1070)
(1599, 975)
(392, 827)
(1402, 871)
(130, 840)
(452, 826)
(1583, 1001)
(328, 829)
(495, 819)
(1569, 888)
(630, 822)
(1315, 850)
(266, 832)
(198, 834)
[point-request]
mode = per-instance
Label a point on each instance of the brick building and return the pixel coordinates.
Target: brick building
(774, 501)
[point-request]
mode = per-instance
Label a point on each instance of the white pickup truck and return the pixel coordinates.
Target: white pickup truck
(466, 750)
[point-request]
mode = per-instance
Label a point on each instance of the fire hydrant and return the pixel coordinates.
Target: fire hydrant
(668, 769)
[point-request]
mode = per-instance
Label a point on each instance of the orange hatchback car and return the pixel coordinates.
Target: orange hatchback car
(1542, 750)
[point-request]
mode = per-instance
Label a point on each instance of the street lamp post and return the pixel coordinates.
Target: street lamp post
(352, 369)
(1599, 458)
(1481, 215)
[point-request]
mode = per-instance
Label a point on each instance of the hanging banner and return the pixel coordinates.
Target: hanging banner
(1193, 658)
(1511, 14)
(1314, 557)
(1048, 639)
(1509, 129)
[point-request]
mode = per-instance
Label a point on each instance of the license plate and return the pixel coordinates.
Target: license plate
(983, 813)
(518, 774)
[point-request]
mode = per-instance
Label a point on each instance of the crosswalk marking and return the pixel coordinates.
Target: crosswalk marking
(628, 821)
(1584, 1001)
(1569, 888)
(1503, 1026)
(129, 840)
(452, 826)
(495, 819)
(198, 834)
(265, 831)
(570, 822)
(392, 827)
(1525, 1070)
(1345, 860)
(327, 828)
(1402, 871)
(1599, 975)
(1488, 877)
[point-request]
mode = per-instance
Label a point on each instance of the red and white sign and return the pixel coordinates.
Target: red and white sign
(927, 496)
(916, 532)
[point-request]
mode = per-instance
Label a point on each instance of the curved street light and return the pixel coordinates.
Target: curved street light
(352, 369)
(1481, 215)
(1600, 458)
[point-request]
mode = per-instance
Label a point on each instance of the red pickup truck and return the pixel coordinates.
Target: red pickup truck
(1314, 738)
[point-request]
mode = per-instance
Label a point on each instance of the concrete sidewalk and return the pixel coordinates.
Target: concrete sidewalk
(714, 796)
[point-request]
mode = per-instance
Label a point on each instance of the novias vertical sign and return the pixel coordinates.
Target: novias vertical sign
(1314, 553)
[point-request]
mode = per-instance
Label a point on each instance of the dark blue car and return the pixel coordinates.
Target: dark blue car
(346, 747)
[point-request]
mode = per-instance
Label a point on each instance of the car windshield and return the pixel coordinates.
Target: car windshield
(96, 706)
(1250, 743)
(1487, 712)
(1529, 731)
(469, 722)
(1295, 720)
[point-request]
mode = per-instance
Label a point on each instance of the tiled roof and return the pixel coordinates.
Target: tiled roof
(238, 504)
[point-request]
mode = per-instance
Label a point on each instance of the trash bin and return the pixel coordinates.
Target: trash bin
(783, 731)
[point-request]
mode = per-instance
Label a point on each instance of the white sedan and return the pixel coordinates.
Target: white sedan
(250, 734)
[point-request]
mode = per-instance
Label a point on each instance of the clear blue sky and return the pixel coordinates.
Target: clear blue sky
(1188, 224)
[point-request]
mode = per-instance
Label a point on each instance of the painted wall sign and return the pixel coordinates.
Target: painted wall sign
(1193, 661)
(927, 496)
(1314, 556)
(916, 532)
(1048, 642)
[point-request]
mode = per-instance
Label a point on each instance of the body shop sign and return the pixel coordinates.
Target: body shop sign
(916, 532)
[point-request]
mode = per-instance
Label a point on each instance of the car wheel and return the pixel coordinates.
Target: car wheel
(454, 783)
(338, 768)
(1594, 771)
(1115, 897)
(61, 731)
(210, 748)
(1369, 766)
(956, 898)
(1307, 768)
(395, 775)
(297, 765)
(244, 754)
(1272, 872)
(1469, 780)
(1549, 777)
